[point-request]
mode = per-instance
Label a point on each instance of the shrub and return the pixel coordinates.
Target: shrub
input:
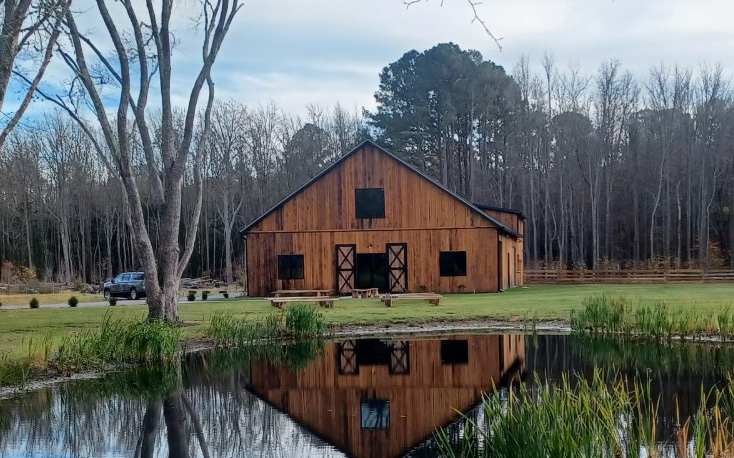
(33, 303)
(73, 301)
(113, 301)
(225, 294)
(191, 296)
(204, 295)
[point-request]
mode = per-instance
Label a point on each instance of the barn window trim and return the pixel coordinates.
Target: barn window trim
(290, 267)
(369, 203)
(452, 263)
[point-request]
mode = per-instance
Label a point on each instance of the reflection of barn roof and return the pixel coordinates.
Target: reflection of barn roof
(369, 143)
(329, 404)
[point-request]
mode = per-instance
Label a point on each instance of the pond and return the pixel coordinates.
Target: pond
(362, 398)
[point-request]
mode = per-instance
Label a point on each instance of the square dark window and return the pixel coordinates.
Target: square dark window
(375, 414)
(369, 203)
(454, 352)
(452, 263)
(290, 267)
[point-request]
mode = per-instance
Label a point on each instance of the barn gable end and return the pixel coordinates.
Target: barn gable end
(412, 200)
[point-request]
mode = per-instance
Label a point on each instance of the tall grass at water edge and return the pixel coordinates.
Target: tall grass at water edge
(115, 343)
(581, 418)
(298, 321)
(617, 316)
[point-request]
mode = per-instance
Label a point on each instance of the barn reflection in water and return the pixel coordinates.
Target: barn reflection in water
(381, 398)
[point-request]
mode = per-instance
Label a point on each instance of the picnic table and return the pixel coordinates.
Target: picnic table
(302, 292)
(279, 302)
(365, 293)
(432, 298)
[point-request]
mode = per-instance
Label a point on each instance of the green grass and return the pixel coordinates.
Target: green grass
(618, 316)
(116, 342)
(603, 417)
(544, 302)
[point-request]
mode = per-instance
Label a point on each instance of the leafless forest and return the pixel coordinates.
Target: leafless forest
(611, 169)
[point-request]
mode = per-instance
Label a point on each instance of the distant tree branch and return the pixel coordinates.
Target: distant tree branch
(477, 18)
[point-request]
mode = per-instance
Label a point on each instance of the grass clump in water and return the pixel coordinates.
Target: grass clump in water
(603, 315)
(116, 343)
(597, 418)
(119, 342)
(297, 321)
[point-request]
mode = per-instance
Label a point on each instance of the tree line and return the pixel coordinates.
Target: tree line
(611, 169)
(64, 215)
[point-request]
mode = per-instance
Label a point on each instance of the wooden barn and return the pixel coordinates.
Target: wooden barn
(381, 398)
(371, 220)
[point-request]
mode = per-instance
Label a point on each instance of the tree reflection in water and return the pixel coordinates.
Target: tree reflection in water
(199, 409)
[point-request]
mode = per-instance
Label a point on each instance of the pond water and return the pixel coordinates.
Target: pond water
(363, 398)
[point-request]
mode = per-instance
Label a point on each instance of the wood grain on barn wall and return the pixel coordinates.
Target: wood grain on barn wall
(410, 200)
(328, 403)
(423, 251)
(417, 212)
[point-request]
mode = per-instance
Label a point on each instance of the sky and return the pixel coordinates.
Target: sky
(299, 52)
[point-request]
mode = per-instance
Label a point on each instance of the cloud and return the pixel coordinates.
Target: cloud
(295, 52)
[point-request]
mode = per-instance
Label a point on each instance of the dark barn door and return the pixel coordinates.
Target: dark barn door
(397, 261)
(345, 264)
(372, 271)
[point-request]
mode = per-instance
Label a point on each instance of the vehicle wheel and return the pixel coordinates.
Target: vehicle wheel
(107, 295)
(133, 294)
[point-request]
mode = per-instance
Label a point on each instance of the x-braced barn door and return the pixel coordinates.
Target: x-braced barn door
(397, 263)
(345, 255)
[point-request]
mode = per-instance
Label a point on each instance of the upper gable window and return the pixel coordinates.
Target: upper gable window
(369, 203)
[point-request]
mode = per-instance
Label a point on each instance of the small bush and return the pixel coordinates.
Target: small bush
(113, 301)
(204, 295)
(191, 296)
(226, 295)
(73, 301)
(33, 303)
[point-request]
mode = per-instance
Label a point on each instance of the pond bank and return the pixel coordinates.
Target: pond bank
(46, 378)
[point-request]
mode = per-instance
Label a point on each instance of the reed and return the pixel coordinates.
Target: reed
(118, 342)
(297, 321)
(591, 418)
(603, 315)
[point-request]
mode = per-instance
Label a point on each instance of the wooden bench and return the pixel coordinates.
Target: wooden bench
(302, 292)
(365, 293)
(432, 298)
(279, 302)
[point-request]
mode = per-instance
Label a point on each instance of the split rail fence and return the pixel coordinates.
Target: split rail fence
(628, 276)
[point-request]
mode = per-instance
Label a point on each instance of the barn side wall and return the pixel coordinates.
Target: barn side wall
(424, 245)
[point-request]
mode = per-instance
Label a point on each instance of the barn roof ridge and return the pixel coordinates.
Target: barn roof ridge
(361, 145)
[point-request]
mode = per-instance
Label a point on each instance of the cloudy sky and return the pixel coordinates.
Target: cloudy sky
(296, 52)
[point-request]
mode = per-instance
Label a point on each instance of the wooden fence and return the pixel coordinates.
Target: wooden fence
(628, 276)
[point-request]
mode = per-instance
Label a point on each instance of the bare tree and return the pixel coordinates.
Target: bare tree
(150, 52)
(26, 26)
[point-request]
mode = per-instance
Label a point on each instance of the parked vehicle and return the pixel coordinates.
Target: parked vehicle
(127, 284)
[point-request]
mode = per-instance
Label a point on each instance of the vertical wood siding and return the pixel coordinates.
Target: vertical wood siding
(427, 398)
(417, 212)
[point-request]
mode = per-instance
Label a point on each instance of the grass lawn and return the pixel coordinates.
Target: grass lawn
(18, 328)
